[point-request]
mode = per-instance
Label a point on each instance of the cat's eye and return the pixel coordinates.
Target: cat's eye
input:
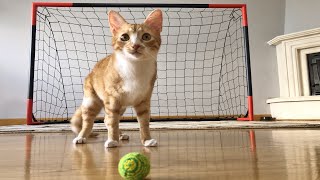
(125, 37)
(146, 37)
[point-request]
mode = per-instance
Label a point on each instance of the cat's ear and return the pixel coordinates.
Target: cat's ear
(154, 20)
(116, 21)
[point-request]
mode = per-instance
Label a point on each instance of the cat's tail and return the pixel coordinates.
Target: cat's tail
(76, 123)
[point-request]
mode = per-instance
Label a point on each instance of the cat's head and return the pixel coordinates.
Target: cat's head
(136, 41)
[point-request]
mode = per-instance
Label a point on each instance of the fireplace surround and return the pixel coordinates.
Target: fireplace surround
(296, 100)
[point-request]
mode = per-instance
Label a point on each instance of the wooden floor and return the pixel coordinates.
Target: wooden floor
(182, 154)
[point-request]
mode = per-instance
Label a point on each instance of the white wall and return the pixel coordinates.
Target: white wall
(266, 20)
(14, 57)
(301, 15)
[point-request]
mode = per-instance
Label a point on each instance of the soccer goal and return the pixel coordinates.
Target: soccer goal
(203, 63)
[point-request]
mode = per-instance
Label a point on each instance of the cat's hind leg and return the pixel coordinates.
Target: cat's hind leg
(88, 111)
(83, 119)
(76, 123)
(124, 136)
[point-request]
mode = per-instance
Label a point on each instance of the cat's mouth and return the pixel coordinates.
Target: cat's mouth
(134, 52)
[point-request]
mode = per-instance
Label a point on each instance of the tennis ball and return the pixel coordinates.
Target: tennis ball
(134, 166)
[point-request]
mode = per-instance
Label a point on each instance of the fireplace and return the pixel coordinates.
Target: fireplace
(298, 59)
(314, 73)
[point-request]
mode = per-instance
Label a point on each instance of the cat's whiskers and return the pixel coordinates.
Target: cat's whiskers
(147, 52)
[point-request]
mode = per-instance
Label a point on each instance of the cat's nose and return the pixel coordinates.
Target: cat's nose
(136, 46)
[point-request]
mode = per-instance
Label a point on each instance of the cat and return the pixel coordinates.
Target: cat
(124, 78)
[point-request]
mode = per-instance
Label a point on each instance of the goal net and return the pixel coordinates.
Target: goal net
(202, 68)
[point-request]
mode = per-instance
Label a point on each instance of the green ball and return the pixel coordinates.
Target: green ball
(134, 166)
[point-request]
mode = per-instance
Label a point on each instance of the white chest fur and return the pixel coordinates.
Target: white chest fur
(137, 76)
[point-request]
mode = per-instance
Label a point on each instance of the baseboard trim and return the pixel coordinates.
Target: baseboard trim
(15, 121)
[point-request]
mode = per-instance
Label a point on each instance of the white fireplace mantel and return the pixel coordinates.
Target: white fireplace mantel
(295, 101)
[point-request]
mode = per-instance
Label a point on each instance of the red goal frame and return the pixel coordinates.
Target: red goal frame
(35, 5)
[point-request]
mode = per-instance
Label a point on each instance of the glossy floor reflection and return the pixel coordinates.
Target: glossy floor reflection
(182, 154)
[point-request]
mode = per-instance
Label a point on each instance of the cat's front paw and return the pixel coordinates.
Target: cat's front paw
(124, 137)
(79, 140)
(150, 143)
(111, 143)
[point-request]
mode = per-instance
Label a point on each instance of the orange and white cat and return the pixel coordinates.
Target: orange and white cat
(124, 78)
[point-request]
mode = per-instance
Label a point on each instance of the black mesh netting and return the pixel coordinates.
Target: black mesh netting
(201, 63)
